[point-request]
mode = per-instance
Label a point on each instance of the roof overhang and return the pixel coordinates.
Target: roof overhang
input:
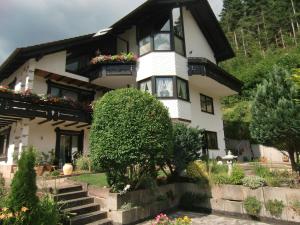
(204, 67)
(200, 9)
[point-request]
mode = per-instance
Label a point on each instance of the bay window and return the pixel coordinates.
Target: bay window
(166, 87)
(163, 32)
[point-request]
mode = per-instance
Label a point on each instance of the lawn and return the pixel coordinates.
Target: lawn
(98, 179)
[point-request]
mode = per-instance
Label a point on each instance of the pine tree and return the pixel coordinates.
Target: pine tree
(23, 187)
(275, 114)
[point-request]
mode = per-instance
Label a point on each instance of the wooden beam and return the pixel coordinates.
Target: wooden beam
(48, 76)
(10, 118)
(84, 125)
(60, 122)
(71, 124)
(44, 121)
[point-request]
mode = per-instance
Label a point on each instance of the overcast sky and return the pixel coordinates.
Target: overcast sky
(29, 22)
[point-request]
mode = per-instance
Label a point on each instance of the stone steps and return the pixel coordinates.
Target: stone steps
(74, 201)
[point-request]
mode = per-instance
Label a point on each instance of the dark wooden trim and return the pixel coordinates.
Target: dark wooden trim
(71, 124)
(84, 125)
(57, 123)
(204, 67)
(44, 121)
(182, 120)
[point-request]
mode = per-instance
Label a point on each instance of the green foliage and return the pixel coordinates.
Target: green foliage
(296, 206)
(49, 213)
(23, 186)
(3, 191)
(190, 199)
(275, 114)
(223, 178)
(261, 171)
(237, 175)
(216, 168)
(131, 133)
(253, 182)
(275, 207)
(188, 142)
(252, 206)
(83, 163)
(197, 171)
(98, 180)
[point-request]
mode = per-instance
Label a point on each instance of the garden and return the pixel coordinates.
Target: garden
(151, 165)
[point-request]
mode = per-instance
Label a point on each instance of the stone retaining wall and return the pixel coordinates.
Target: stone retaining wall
(226, 199)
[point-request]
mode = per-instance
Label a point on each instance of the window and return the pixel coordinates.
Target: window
(211, 140)
(4, 142)
(145, 45)
(72, 93)
(182, 89)
(162, 42)
(163, 32)
(146, 86)
(77, 63)
(164, 87)
(178, 31)
(207, 104)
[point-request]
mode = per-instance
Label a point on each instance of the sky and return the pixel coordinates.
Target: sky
(29, 22)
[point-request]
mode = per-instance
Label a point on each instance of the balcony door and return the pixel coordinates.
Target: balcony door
(69, 145)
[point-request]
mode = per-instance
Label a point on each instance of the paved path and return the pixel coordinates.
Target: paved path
(203, 219)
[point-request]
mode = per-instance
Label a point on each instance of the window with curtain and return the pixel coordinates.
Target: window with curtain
(164, 87)
(146, 86)
(182, 89)
(211, 140)
(4, 142)
(207, 104)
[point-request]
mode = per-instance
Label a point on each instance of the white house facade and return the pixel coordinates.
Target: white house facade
(178, 45)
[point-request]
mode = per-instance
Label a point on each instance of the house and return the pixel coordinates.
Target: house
(178, 44)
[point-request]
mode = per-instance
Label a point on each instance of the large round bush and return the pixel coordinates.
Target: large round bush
(131, 134)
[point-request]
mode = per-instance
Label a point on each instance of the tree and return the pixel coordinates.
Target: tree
(275, 114)
(131, 134)
(23, 187)
(188, 143)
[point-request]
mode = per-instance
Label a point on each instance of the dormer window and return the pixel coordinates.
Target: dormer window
(162, 33)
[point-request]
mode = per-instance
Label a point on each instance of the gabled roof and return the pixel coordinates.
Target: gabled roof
(200, 10)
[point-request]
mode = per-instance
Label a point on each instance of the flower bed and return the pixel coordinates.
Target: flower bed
(122, 58)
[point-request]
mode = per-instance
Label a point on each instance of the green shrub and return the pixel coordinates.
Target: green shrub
(296, 206)
(49, 211)
(237, 175)
(222, 178)
(190, 199)
(235, 178)
(131, 134)
(273, 181)
(188, 142)
(23, 189)
(197, 170)
(83, 163)
(253, 182)
(23, 186)
(252, 206)
(261, 171)
(216, 168)
(275, 207)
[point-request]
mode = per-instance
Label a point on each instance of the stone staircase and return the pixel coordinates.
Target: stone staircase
(75, 201)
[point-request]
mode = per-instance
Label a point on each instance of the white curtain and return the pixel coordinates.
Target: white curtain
(164, 87)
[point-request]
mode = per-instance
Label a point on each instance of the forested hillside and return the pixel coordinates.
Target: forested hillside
(263, 33)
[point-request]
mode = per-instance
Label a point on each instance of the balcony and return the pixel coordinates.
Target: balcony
(113, 71)
(28, 105)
